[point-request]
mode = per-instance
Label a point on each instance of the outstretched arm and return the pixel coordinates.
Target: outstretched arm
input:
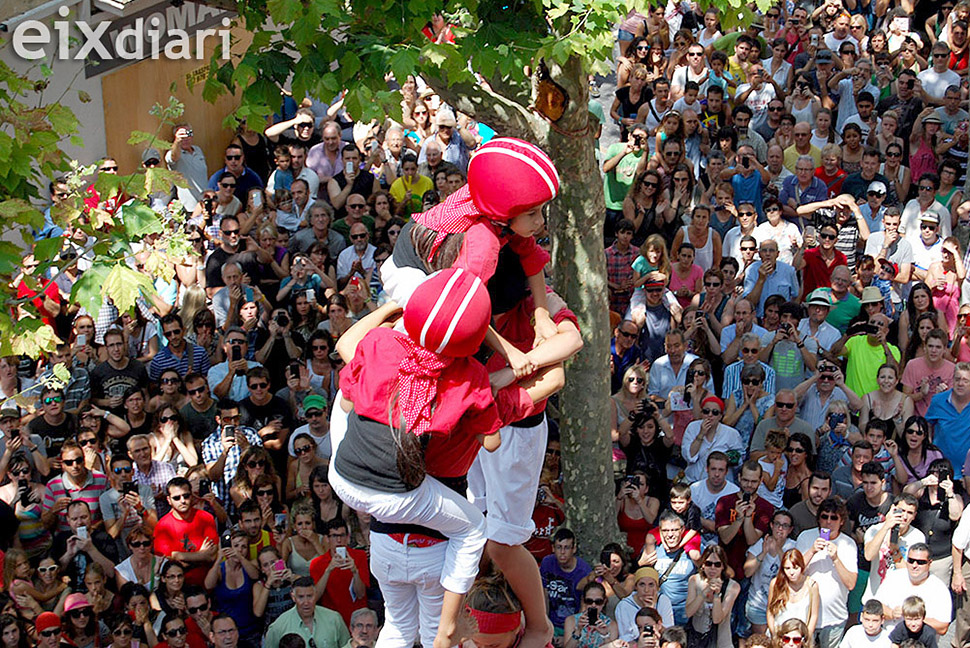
(347, 344)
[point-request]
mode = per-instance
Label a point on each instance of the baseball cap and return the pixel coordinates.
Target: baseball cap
(929, 217)
(890, 265)
(314, 401)
(877, 187)
(151, 154)
(10, 410)
(823, 56)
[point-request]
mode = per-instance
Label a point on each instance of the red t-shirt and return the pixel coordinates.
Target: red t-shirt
(483, 240)
(833, 182)
(464, 407)
(724, 514)
(547, 519)
(694, 544)
(337, 596)
(173, 534)
(49, 288)
(818, 273)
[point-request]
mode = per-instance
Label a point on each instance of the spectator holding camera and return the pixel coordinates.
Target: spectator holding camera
(590, 627)
(647, 443)
(866, 348)
(636, 510)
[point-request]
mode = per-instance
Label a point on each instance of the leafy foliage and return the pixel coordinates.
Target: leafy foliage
(31, 134)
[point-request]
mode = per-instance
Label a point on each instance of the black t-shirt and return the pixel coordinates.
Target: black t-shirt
(278, 358)
(259, 416)
(368, 456)
(652, 460)
(629, 108)
(200, 424)
(213, 266)
(363, 185)
(926, 636)
(78, 566)
(936, 525)
(9, 525)
(53, 435)
(106, 381)
(864, 515)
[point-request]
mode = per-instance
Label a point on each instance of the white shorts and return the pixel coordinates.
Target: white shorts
(432, 504)
(505, 482)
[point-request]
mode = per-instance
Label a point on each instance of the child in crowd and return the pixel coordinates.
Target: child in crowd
(913, 626)
(282, 176)
(681, 504)
(287, 216)
(774, 467)
(689, 100)
(870, 633)
(653, 264)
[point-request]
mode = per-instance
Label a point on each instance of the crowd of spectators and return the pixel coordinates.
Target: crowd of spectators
(786, 238)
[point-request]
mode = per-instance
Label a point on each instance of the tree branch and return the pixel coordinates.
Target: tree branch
(501, 113)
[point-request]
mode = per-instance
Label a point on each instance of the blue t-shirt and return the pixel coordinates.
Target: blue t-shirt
(562, 587)
(675, 585)
(748, 190)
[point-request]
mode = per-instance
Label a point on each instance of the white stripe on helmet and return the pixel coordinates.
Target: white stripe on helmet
(438, 305)
(458, 314)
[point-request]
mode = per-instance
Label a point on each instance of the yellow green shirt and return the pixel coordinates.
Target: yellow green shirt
(402, 185)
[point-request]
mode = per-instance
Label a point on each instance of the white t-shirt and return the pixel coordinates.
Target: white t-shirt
(784, 235)
(767, 570)
(935, 83)
(706, 501)
(856, 637)
(833, 592)
(897, 587)
(906, 540)
(323, 443)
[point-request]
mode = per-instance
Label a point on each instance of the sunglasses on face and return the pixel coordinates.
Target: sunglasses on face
(794, 450)
(927, 226)
(51, 632)
(177, 632)
(713, 563)
(197, 390)
(785, 405)
(227, 185)
(20, 472)
(303, 450)
(196, 610)
(234, 232)
(627, 335)
(749, 350)
(916, 432)
(748, 248)
(83, 612)
(53, 399)
(312, 414)
(140, 545)
(87, 442)
(828, 518)
(256, 463)
(167, 419)
(71, 462)
(917, 561)
(746, 213)
(122, 632)
(109, 168)
(828, 237)
(264, 492)
(635, 379)
(750, 381)
(173, 332)
(259, 385)
(590, 601)
(712, 284)
(233, 157)
(122, 470)
(710, 412)
(180, 497)
(792, 640)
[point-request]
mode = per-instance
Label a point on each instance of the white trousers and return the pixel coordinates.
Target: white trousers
(409, 579)
(432, 504)
(505, 482)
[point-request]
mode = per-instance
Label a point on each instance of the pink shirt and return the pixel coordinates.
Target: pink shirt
(676, 283)
(917, 369)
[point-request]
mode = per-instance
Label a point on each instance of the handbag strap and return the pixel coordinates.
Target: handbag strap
(670, 568)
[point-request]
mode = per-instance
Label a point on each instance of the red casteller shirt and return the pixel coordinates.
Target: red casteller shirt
(724, 514)
(817, 273)
(337, 595)
(173, 534)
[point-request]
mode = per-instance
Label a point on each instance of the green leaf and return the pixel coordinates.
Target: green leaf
(33, 344)
(125, 285)
(87, 289)
(140, 220)
(48, 249)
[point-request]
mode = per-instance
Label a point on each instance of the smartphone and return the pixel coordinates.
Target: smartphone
(258, 199)
(82, 532)
(23, 486)
(745, 497)
(129, 487)
(814, 40)
(311, 296)
(279, 565)
(341, 551)
(647, 631)
(82, 339)
(825, 534)
(226, 541)
(236, 353)
(593, 616)
(205, 487)
(293, 371)
(606, 558)
(894, 536)
(229, 431)
(835, 419)
(746, 162)
(348, 168)
(810, 233)
(280, 520)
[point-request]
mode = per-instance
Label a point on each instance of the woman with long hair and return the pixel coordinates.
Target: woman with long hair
(168, 596)
(920, 301)
(136, 416)
(578, 632)
(711, 593)
(39, 596)
(686, 278)
(629, 99)
(706, 242)
(324, 265)
(939, 512)
(913, 451)
(171, 392)
(636, 54)
(231, 580)
(302, 543)
(946, 278)
(800, 466)
(301, 465)
(803, 104)
(950, 193)
(925, 143)
(916, 348)
(327, 507)
(266, 494)
(338, 320)
(253, 462)
(271, 593)
(26, 499)
(755, 402)
(624, 403)
(792, 595)
(645, 206)
(122, 630)
(498, 612)
(762, 562)
(172, 441)
(886, 403)
(636, 510)
(727, 145)
(12, 633)
(614, 576)
(79, 624)
(793, 632)
(204, 333)
(306, 314)
(894, 169)
(852, 148)
(141, 336)
(142, 566)
(323, 374)
(683, 39)
(102, 600)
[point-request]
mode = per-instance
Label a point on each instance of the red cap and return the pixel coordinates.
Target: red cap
(509, 176)
(46, 620)
(892, 266)
(713, 399)
(449, 313)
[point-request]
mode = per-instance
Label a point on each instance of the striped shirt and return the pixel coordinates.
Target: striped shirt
(90, 492)
(165, 360)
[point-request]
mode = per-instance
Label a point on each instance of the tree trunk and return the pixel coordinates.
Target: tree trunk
(579, 263)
